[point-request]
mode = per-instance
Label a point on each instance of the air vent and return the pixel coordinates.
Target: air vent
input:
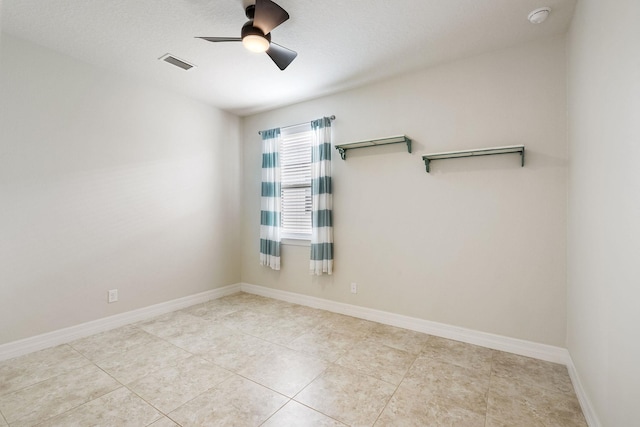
(177, 62)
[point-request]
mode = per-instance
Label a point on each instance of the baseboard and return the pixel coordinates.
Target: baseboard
(484, 339)
(497, 342)
(62, 336)
(585, 403)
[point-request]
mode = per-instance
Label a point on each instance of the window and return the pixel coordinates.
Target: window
(295, 176)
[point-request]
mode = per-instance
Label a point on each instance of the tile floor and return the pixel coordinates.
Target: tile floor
(245, 360)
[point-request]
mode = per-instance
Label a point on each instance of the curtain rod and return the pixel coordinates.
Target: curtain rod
(290, 126)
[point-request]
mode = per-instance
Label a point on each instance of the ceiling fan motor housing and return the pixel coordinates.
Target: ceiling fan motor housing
(249, 30)
(250, 11)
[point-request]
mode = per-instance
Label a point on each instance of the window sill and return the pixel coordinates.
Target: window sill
(296, 241)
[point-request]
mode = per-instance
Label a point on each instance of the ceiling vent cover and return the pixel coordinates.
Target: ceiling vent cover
(177, 62)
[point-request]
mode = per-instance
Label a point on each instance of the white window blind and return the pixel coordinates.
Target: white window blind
(295, 175)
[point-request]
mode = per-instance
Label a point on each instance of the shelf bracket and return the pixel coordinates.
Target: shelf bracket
(343, 152)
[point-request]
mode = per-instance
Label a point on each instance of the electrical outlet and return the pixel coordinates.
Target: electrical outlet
(354, 288)
(112, 295)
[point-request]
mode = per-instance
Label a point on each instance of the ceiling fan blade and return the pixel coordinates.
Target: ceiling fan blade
(221, 39)
(281, 55)
(268, 15)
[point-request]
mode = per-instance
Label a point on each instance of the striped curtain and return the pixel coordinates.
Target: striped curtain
(322, 199)
(270, 200)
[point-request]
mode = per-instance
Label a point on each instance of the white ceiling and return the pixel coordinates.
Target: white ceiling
(340, 43)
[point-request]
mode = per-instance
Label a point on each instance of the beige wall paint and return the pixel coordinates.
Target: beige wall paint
(604, 206)
(107, 183)
(478, 243)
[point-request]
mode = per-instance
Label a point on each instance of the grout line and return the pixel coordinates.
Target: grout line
(311, 382)
(276, 411)
(47, 378)
(318, 411)
(123, 385)
(493, 361)
(398, 386)
(83, 403)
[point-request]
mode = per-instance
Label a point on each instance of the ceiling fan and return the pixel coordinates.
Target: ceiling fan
(264, 16)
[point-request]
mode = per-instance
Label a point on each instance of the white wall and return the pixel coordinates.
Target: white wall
(604, 206)
(478, 243)
(107, 183)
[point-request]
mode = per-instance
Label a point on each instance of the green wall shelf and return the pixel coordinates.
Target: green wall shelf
(472, 153)
(401, 139)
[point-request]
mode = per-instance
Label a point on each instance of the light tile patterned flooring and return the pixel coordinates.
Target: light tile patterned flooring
(245, 360)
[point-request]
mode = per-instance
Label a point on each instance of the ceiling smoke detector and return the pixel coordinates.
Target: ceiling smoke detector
(538, 16)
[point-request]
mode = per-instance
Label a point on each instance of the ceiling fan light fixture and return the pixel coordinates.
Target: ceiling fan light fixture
(254, 39)
(255, 43)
